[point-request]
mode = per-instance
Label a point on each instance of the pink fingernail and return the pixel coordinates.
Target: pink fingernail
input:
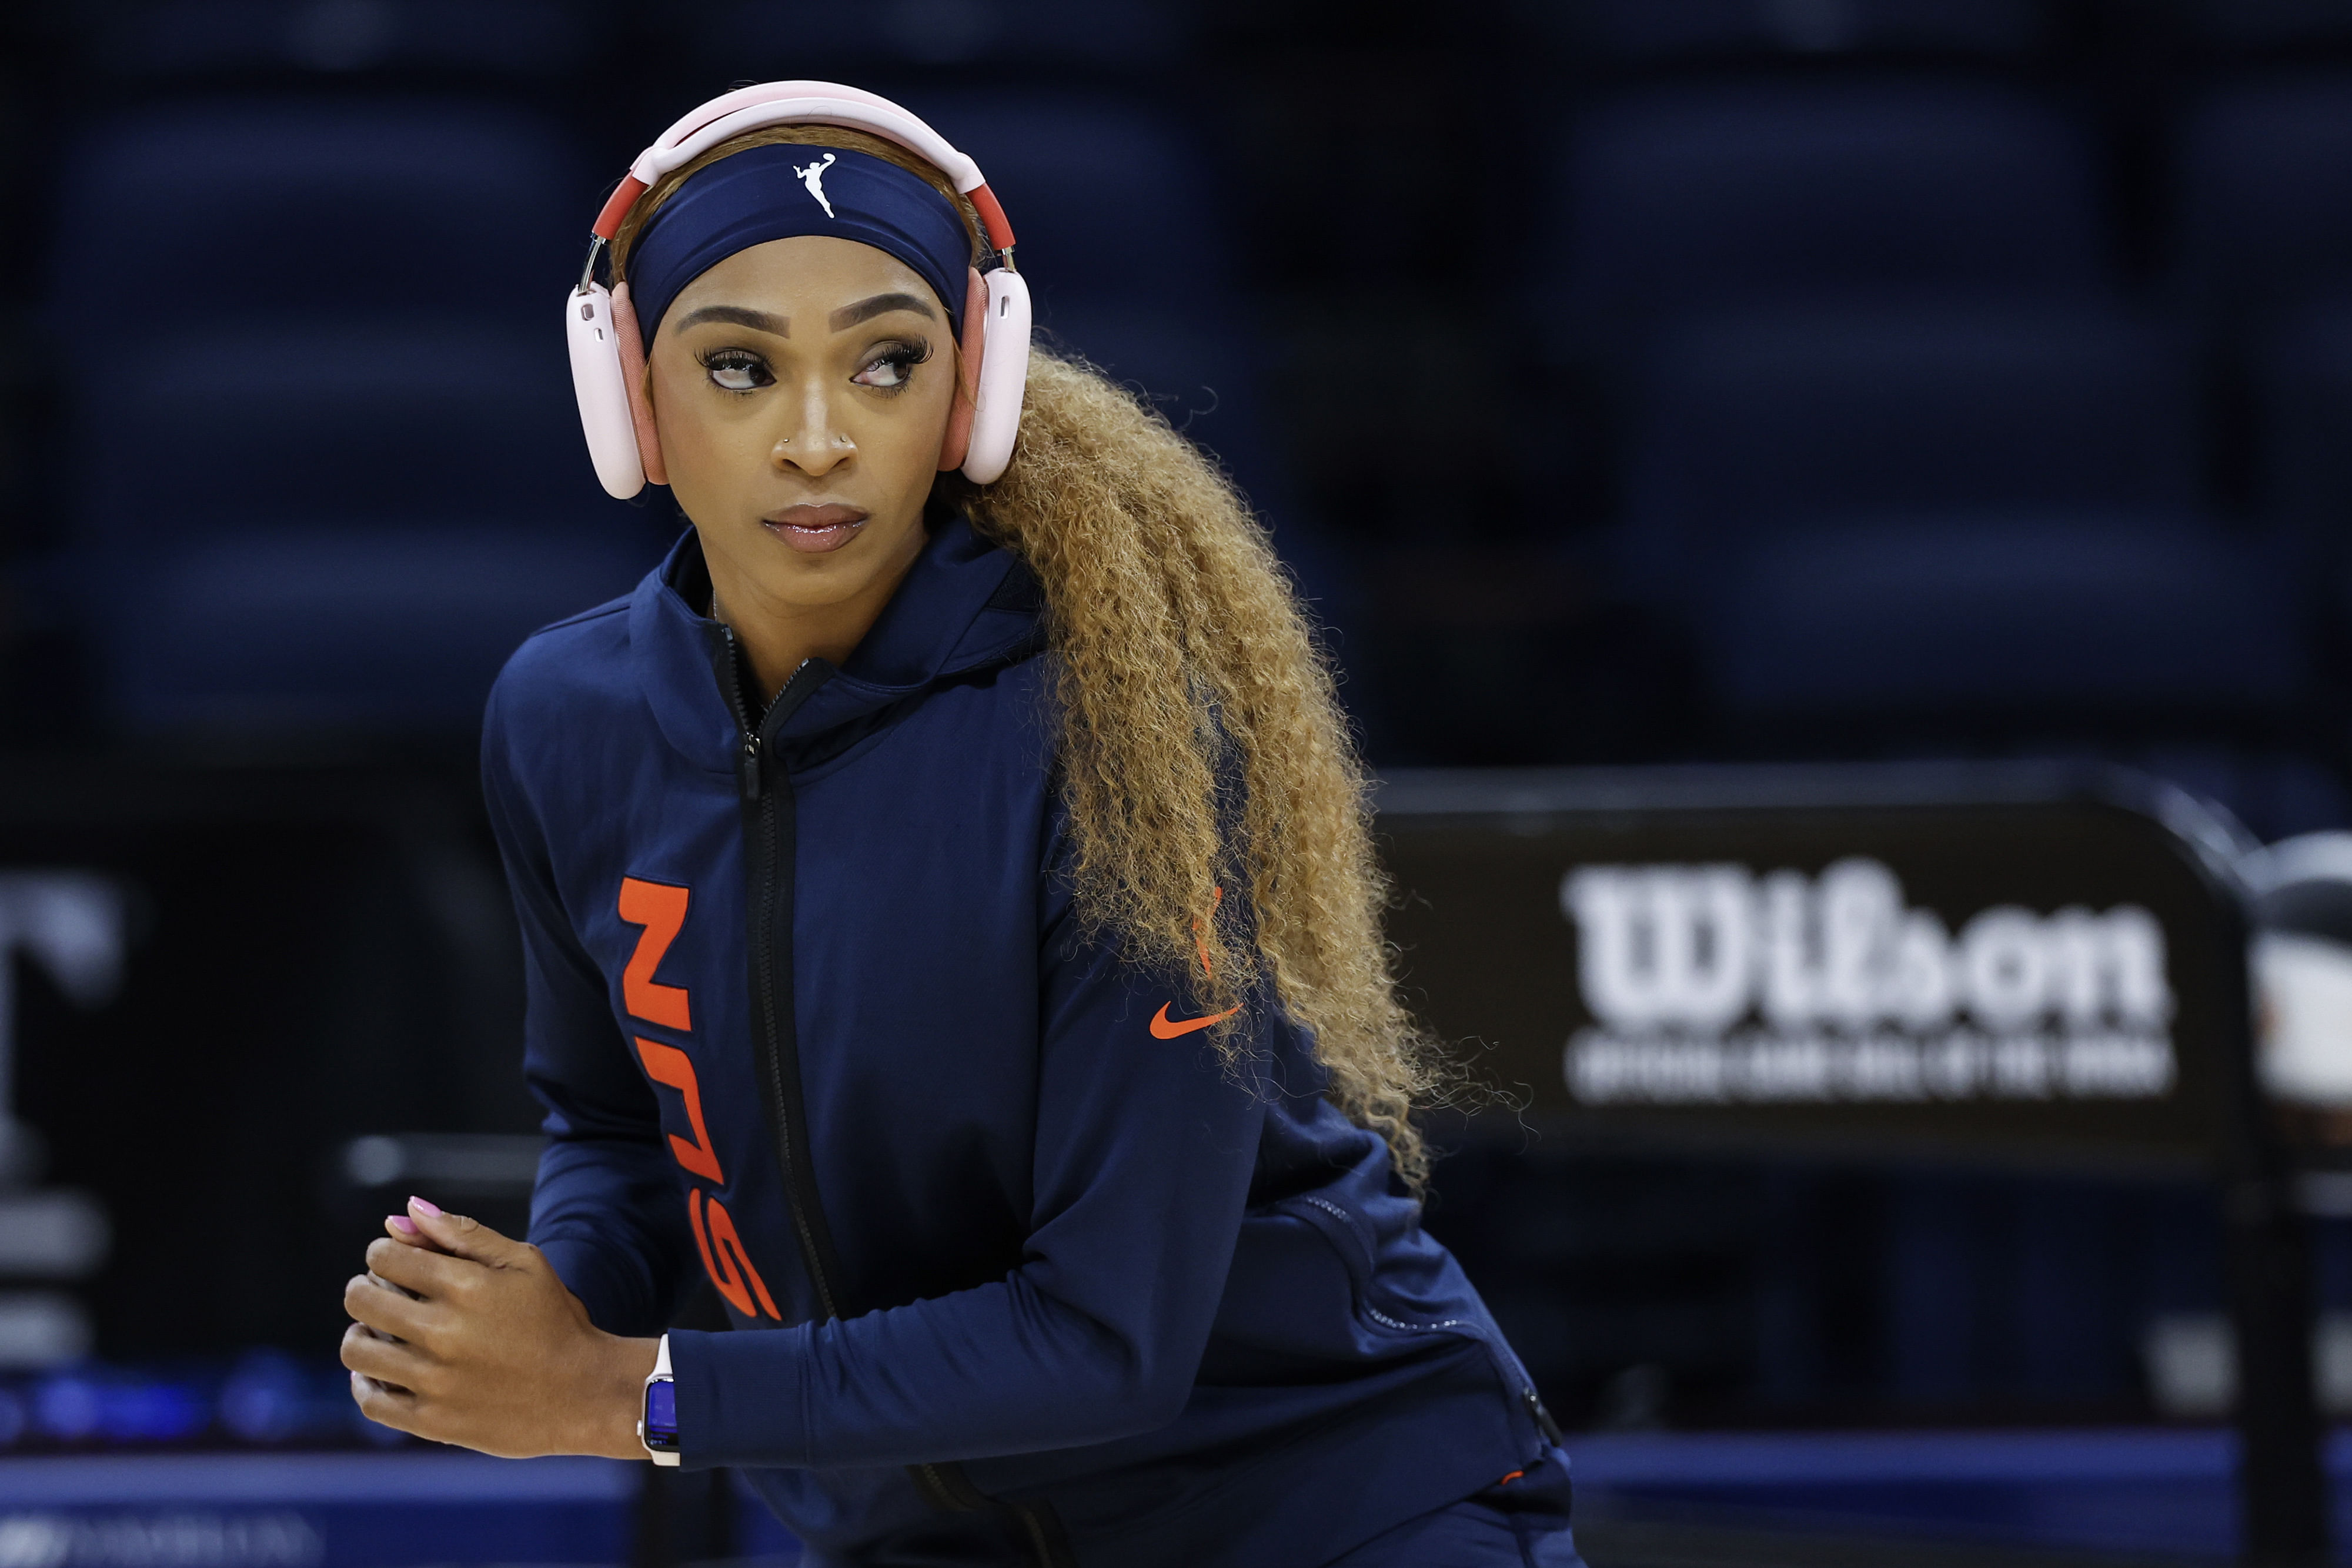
(403, 1224)
(430, 1211)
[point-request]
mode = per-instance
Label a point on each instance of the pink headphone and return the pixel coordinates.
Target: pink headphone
(608, 361)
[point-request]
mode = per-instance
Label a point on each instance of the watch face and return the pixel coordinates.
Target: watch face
(661, 1415)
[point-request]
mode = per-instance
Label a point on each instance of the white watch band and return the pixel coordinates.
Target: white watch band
(660, 1374)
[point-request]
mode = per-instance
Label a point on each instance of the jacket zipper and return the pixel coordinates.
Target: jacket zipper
(768, 805)
(770, 882)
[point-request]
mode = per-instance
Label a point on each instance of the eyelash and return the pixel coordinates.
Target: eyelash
(717, 359)
(906, 355)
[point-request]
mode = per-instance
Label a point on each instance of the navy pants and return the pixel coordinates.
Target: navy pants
(1521, 1523)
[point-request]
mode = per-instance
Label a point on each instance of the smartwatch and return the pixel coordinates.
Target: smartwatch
(658, 1431)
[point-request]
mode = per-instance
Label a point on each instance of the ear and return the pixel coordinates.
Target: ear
(967, 392)
(633, 375)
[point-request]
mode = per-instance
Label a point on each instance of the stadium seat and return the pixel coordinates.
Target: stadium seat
(1201, 374)
(1106, 197)
(2264, 217)
(358, 480)
(1122, 226)
(755, 38)
(1695, 197)
(1769, 419)
(2303, 375)
(1646, 30)
(1205, 374)
(2002, 1289)
(2004, 620)
(240, 425)
(357, 212)
(340, 629)
(1936, 1281)
(2264, 25)
(243, 38)
(2064, 1320)
(360, 564)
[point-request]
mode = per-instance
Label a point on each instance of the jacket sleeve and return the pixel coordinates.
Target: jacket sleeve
(604, 1210)
(1145, 1148)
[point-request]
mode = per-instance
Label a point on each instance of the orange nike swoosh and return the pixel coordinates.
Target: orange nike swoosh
(1162, 1028)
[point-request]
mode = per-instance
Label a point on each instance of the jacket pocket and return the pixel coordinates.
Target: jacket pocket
(1353, 1239)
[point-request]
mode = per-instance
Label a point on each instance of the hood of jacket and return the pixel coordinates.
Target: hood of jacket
(965, 607)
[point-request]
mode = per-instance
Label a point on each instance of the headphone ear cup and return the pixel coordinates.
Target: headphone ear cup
(602, 388)
(632, 381)
(1004, 376)
(974, 348)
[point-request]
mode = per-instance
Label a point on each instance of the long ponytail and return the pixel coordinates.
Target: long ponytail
(1185, 658)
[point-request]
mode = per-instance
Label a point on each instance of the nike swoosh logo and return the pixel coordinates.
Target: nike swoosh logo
(1163, 1028)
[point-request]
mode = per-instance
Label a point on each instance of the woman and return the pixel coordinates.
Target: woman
(950, 924)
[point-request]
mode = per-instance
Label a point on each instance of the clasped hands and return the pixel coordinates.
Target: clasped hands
(464, 1336)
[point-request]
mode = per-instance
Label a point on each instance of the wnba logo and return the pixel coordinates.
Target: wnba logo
(1712, 984)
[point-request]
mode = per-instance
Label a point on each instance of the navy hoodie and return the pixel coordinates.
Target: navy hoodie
(1029, 1275)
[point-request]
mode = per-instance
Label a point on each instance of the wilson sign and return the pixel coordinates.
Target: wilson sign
(2019, 957)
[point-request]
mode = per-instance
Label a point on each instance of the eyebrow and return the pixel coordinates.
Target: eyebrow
(880, 305)
(736, 315)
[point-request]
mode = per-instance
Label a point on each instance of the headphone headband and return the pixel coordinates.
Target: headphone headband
(802, 103)
(608, 361)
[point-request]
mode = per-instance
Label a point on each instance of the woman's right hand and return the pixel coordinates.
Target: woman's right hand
(466, 1336)
(404, 1231)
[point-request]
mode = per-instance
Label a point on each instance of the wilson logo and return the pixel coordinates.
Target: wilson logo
(1709, 983)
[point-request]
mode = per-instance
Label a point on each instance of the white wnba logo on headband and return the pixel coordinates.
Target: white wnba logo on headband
(813, 178)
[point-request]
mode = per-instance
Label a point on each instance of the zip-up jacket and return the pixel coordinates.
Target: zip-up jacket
(1030, 1274)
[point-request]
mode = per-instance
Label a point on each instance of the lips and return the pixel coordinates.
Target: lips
(816, 529)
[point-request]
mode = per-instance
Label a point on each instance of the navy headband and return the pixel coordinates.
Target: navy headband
(782, 189)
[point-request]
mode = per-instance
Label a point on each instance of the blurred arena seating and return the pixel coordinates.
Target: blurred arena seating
(1781, 418)
(180, 40)
(2302, 385)
(1129, 247)
(1993, 623)
(1116, 197)
(2266, 26)
(352, 497)
(1687, 197)
(1018, 37)
(1635, 30)
(2265, 169)
(319, 207)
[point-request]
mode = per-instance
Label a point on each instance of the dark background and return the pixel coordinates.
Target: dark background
(1626, 380)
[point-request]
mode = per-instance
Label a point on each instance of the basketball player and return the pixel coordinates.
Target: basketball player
(952, 928)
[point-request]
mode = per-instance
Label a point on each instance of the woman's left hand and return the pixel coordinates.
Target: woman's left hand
(491, 1351)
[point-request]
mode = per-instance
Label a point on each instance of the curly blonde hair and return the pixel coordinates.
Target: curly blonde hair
(1203, 746)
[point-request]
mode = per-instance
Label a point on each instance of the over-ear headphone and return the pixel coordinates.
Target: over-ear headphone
(608, 361)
